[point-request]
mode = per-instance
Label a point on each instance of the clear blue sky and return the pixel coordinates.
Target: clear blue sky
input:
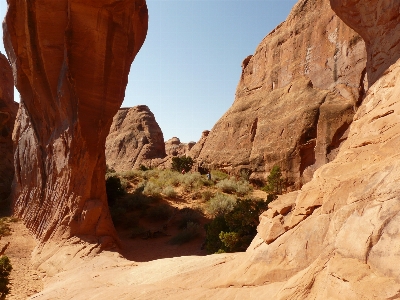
(190, 64)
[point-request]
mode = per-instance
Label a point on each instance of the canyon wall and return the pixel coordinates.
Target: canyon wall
(8, 112)
(295, 99)
(135, 139)
(71, 61)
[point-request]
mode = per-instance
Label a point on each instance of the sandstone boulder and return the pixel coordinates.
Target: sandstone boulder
(71, 61)
(135, 139)
(8, 112)
(174, 147)
(295, 100)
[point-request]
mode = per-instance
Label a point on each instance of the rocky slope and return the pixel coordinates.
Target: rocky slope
(135, 139)
(295, 100)
(336, 238)
(71, 61)
(8, 112)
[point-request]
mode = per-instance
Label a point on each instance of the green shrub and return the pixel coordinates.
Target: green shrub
(170, 192)
(213, 229)
(220, 204)
(152, 189)
(227, 186)
(191, 232)
(218, 175)
(182, 163)
(275, 181)
(5, 226)
(207, 195)
(5, 270)
(234, 231)
(243, 188)
(192, 181)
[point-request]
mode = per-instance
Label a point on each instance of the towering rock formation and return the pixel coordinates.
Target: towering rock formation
(295, 100)
(135, 139)
(8, 112)
(71, 60)
(339, 235)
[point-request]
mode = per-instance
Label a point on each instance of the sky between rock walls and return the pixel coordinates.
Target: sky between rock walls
(190, 64)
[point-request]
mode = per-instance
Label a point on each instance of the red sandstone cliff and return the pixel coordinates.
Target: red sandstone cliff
(135, 139)
(295, 100)
(8, 112)
(71, 61)
(336, 238)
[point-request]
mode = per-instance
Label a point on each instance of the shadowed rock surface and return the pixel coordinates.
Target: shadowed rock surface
(8, 112)
(71, 61)
(135, 139)
(295, 100)
(336, 238)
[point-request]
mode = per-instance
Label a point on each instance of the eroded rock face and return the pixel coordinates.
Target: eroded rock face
(379, 25)
(174, 147)
(135, 139)
(295, 100)
(71, 61)
(8, 112)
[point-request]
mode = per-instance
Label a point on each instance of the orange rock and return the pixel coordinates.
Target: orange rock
(71, 61)
(295, 99)
(135, 139)
(8, 112)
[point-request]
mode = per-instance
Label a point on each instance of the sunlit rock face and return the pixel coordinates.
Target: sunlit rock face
(378, 22)
(135, 139)
(295, 100)
(71, 61)
(8, 112)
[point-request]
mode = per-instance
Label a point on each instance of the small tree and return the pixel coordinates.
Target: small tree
(275, 181)
(5, 270)
(182, 163)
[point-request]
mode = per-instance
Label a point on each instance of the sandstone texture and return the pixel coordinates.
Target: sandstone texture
(71, 61)
(336, 238)
(8, 112)
(174, 147)
(295, 100)
(135, 139)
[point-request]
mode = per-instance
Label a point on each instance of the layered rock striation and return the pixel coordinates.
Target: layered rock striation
(71, 61)
(295, 100)
(135, 139)
(8, 112)
(336, 238)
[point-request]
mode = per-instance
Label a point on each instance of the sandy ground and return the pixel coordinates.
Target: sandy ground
(24, 280)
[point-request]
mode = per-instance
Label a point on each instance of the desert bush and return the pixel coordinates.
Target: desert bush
(234, 231)
(188, 234)
(243, 188)
(220, 204)
(170, 192)
(207, 195)
(182, 163)
(5, 270)
(192, 181)
(159, 212)
(245, 174)
(5, 226)
(152, 188)
(227, 186)
(218, 175)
